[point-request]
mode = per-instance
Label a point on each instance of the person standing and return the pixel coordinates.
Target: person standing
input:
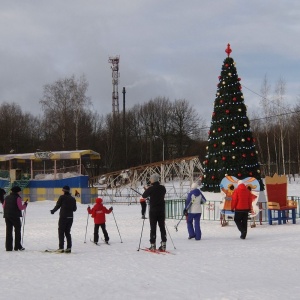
(2, 193)
(12, 208)
(241, 204)
(98, 213)
(193, 211)
(144, 207)
(156, 193)
(67, 205)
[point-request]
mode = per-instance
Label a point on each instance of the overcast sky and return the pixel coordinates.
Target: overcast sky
(168, 48)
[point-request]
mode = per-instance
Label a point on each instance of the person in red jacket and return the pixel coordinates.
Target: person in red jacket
(241, 204)
(98, 213)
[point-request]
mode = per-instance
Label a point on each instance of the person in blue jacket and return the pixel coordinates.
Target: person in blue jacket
(193, 211)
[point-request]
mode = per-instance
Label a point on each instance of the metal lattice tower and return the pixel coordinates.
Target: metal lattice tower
(114, 60)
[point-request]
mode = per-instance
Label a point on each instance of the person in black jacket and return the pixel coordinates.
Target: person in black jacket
(67, 205)
(12, 208)
(2, 193)
(156, 192)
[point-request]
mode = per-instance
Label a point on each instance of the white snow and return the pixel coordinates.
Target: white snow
(221, 266)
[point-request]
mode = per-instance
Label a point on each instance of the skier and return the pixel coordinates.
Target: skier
(67, 205)
(98, 213)
(2, 193)
(241, 204)
(12, 208)
(156, 192)
(143, 206)
(193, 211)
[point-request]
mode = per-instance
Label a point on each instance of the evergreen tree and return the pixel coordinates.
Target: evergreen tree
(231, 150)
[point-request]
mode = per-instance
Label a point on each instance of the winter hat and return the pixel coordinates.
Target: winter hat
(154, 177)
(240, 182)
(99, 200)
(16, 189)
(66, 188)
(194, 185)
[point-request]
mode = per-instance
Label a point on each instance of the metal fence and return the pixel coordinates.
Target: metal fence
(211, 209)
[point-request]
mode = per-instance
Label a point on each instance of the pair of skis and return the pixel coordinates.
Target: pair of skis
(157, 251)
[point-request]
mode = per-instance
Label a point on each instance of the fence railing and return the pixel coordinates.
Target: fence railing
(211, 209)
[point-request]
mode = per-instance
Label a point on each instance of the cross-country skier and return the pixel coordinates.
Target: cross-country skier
(193, 211)
(67, 205)
(156, 192)
(12, 208)
(98, 213)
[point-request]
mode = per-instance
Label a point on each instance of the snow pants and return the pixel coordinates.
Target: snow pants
(144, 206)
(241, 220)
(13, 222)
(193, 226)
(157, 217)
(64, 230)
(96, 232)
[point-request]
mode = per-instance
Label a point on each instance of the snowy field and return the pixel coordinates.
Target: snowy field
(221, 266)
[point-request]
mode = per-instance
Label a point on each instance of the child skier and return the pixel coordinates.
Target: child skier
(98, 213)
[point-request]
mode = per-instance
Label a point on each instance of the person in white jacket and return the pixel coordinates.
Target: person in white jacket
(193, 211)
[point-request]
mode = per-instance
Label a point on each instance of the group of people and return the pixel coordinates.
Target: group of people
(13, 206)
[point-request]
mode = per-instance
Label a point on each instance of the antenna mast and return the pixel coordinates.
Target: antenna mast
(114, 60)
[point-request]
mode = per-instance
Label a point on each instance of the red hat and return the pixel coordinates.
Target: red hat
(99, 200)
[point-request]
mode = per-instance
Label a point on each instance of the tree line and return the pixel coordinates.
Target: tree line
(148, 132)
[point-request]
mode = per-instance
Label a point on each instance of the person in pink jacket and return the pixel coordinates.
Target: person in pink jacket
(98, 213)
(241, 204)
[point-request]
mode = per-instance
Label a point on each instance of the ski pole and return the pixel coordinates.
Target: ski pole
(87, 222)
(117, 225)
(23, 218)
(141, 235)
(170, 236)
(176, 226)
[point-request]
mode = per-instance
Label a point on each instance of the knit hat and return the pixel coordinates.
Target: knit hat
(16, 189)
(154, 177)
(194, 185)
(66, 188)
(99, 200)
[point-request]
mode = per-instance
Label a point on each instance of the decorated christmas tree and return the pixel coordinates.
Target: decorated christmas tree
(231, 150)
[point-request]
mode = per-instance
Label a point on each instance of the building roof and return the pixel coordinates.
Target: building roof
(52, 155)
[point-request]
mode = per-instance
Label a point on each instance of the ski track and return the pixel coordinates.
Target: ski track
(220, 266)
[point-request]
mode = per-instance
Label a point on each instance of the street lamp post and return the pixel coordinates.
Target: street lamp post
(163, 154)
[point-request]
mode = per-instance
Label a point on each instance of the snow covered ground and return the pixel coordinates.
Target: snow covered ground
(221, 266)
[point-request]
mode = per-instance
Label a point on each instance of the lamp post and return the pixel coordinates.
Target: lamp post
(163, 154)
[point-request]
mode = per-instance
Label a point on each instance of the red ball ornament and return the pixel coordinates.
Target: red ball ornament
(226, 65)
(234, 99)
(215, 145)
(244, 155)
(249, 139)
(213, 114)
(219, 129)
(239, 175)
(221, 101)
(227, 111)
(233, 143)
(209, 132)
(250, 173)
(219, 77)
(239, 79)
(223, 158)
(252, 154)
(254, 140)
(240, 87)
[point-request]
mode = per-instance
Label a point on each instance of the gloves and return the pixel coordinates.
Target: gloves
(232, 210)
(111, 208)
(26, 203)
(52, 212)
(185, 212)
(88, 208)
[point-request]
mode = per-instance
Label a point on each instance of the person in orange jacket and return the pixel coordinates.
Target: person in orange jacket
(98, 213)
(241, 204)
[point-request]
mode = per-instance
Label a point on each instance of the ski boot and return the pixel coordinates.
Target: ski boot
(152, 247)
(163, 246)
